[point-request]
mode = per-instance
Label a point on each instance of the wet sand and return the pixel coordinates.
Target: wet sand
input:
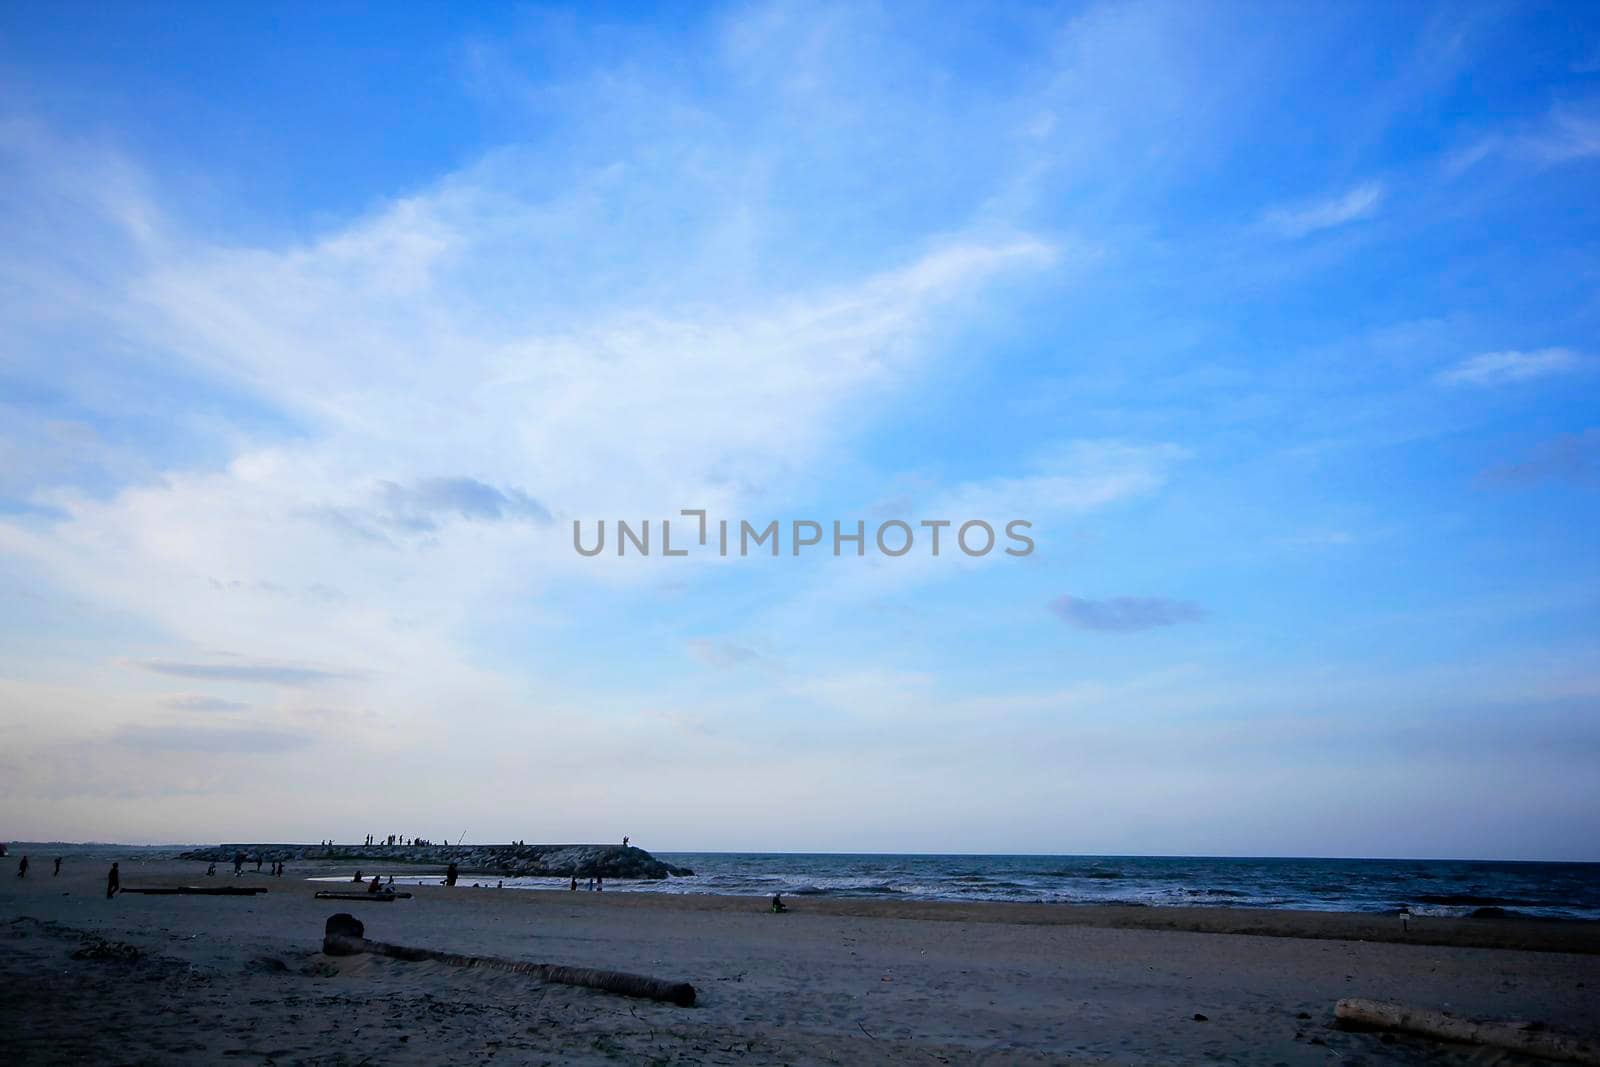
(243, 980)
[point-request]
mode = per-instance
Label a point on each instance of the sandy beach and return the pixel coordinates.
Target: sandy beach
(243, 979)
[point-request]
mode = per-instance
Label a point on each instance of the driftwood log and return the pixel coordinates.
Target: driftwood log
(363, 895)
(345, 936)
(1530, 1039)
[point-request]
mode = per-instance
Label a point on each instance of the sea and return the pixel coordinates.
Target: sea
(1426, 887)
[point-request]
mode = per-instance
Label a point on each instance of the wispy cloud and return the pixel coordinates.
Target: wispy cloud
(203, 703)
(1571, 457)
(418, 505)
(721, 653)
(1296, 221)
(1510, 367)
(1125, 613)
(1565, 134)
(244, 740)
(294, 675)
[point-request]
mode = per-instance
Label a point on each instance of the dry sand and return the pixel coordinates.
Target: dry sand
(243, 980)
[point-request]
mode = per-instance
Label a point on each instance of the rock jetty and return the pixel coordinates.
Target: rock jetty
(539, 861)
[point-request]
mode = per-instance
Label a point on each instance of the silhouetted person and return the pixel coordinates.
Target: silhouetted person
(211, 871)
(22, 868)
(450, 874)
(238, 864)
(357, 878)
(777, 903)
(58, 867)
(574, 885)
(624, 840)
(599, 883)
(377, 884)
(258, 864)
(113, 882)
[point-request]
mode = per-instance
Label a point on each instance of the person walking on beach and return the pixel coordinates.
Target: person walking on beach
(574, 885)
(238, 864)
(58, 867)
(22, 868)
(113, 882)
(450, 874)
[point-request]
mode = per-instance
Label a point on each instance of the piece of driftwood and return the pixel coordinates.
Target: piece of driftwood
(1530, 1039)
(345, 936)
(198, 890)
(379, 895)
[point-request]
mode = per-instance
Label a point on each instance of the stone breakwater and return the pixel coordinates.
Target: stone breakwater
(548, 861)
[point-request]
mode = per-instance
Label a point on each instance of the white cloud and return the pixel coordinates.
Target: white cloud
(1358, 203)
(1511, 367)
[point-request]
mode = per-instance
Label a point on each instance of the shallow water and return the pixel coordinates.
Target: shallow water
(1427, 887)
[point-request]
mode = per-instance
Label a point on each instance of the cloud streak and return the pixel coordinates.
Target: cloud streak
(1571, 457)
(292, 675)
(1125, 614)
(1358, 203)
(232, 740)
(1510, 367)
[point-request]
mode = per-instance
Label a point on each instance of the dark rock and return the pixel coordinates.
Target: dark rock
(1201, 1018)
(507, 861)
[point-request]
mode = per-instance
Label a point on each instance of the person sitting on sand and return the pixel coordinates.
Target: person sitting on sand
(113, 882)
(777, 903)
(377, 884)
(211, 871)
(357, 878)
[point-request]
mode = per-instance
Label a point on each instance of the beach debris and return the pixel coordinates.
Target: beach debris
(199, 890)
(1528, 1038)
(95, 947)
(345, 935)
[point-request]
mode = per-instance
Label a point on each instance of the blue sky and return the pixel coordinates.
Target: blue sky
(1280, 328)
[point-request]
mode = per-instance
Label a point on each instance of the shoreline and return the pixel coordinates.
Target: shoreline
(1578, 936)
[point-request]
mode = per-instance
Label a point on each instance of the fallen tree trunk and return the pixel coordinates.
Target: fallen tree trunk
(1528, 1038)
(198, 890)
(344, 936)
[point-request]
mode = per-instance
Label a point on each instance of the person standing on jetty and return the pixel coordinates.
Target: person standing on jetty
(113, 882)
